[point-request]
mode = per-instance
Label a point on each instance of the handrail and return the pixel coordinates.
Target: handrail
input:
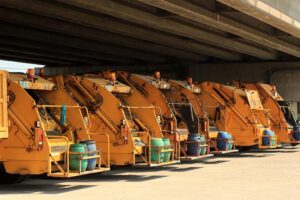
(88, 117)
(108, 146)
(57, 106)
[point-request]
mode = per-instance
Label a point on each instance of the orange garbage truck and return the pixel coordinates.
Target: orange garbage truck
(239, 112)
(178, 118)
(220, 142)
(126, 116)
(282, 118)
(40, 138)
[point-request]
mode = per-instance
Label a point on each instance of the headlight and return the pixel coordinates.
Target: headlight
(163, 86)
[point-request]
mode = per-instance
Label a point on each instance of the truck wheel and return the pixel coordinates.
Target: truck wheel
(244, 148)
(6, 178)
(294, 144)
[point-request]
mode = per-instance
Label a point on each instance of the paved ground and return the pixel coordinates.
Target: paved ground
(253, 175)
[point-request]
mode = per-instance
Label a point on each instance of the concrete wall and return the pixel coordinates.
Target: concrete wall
(289, 7)
(288, 83)
(225, 73)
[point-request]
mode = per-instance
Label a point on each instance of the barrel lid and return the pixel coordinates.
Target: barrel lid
(156, 138)
(88, 142)
(194, 134)
(222, 134)
(78, 145)
(268, 132)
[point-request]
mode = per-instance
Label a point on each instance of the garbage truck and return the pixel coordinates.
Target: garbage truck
(239, 112)
(40, 138)
(282, 118)
(126, 116)
(178, 118)
(221, 142)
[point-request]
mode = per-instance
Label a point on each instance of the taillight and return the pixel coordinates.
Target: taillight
(39, 138)
(30, 74)
(86, 121)
(158, 119)
(172, 127)
(204, 124)
(42, 73)
(125, 132)
(257, 131)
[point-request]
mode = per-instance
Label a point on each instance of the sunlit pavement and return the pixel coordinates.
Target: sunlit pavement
(272, 174)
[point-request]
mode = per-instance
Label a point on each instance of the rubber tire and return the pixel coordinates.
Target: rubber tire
(244, 148)
(294, 144)
(6, 178)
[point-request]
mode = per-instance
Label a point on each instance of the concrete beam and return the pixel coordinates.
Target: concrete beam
(267, 14)
(84, 19)
(45, 54)
(168, 70)
(36, 35)
(143, 18)
(94, 34)
(223, 23)
(270, 65)
(30, 59)
(86, 55)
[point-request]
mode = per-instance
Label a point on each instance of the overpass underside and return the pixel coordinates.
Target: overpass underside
(162, 33)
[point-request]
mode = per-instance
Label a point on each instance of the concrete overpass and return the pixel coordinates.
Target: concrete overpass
(219, 40)
(63, 33)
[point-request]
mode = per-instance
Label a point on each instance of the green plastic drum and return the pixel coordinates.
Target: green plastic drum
(203, 141)
(75, 159)
(274, 142)
(230, 144)
(167, 155)
(155, 143)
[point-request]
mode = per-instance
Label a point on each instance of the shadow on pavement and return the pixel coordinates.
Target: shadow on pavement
(214, 162)
(246, 155)
(45, 188)
(274, 151)
(113, 177)
(141, 169)
(185, 169)
(172, 168)
(45, 185)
